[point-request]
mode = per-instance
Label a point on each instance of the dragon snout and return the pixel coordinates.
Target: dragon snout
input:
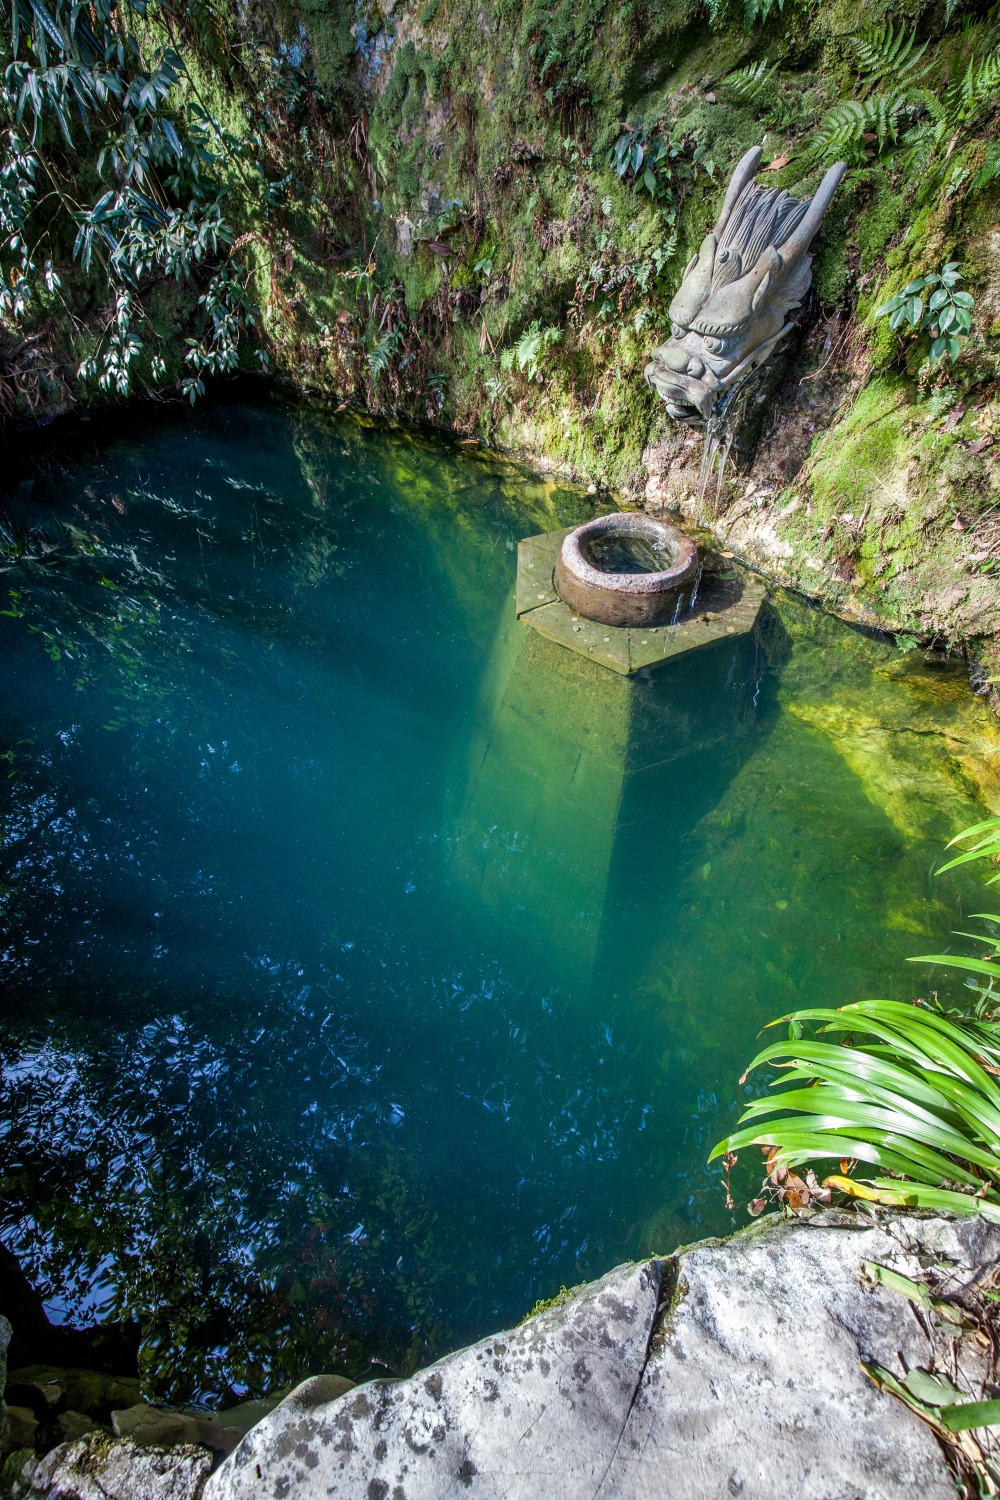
(681, 362)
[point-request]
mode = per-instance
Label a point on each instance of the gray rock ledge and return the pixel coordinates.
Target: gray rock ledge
(730, 1369)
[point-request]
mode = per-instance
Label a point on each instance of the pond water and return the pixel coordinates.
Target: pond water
(372, 967)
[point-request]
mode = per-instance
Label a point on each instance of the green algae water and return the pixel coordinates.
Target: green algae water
(373, 967)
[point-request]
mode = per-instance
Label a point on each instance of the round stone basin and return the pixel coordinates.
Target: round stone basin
(626, 569)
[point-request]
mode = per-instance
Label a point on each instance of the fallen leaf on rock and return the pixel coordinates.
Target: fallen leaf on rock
(848, 1185)
(936, 1389)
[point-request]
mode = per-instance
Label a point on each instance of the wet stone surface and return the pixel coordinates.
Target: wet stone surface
(726, 607)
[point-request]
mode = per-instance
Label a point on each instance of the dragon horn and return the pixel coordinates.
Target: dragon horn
(744, 172)
(801, 238)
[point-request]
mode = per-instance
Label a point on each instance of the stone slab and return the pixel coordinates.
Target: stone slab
(537, 1411)
(102, 1468)
(622, 649)
(744, 1382)
(536, 561)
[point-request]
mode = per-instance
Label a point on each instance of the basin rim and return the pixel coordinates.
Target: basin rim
(635, 522)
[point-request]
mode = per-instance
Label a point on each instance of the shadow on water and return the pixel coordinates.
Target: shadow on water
(583, 787)
(372, 966)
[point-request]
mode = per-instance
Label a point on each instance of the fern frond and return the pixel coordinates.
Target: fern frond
(933, 105)
(759, 10)
(984, 82)
(843, 130)
(839, 133)
(885, 114)
(749, 83)
(209, 23)
(989, 172)
(919, 143)
(971, 91)
(888, 52)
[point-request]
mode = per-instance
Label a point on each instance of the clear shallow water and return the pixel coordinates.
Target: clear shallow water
(372, 967)
(625, 554)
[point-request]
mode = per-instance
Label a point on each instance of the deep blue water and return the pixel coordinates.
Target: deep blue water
(369, 970)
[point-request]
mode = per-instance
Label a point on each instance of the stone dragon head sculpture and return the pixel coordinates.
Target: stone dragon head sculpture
(731, 310)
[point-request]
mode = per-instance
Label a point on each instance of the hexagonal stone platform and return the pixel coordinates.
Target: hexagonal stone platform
(728, 605)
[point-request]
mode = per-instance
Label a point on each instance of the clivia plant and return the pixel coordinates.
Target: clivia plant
(907, 1090)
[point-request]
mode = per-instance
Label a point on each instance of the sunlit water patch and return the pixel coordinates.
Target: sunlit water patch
(372, 966)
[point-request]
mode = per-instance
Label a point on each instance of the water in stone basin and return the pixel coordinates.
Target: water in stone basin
(371, 965)
(623, 552)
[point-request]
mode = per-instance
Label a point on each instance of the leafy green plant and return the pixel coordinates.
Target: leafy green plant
(646, 156)
(527, 354)
(854, 127)
(91, 78)
(753, 10)
(633, 154)
(560, 39)
(947, 315)
(385, 351)
(985, 844)
(908, 1091)
(925, 123)
(887, 53)
(967, 96)
(989, 172)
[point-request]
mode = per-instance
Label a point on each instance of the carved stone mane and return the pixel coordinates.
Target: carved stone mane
(731, 310)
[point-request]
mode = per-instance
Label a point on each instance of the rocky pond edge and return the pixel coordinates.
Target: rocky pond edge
(739, 1367)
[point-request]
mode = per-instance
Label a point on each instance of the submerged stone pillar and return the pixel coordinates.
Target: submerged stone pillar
(547, 770)
(567, 758)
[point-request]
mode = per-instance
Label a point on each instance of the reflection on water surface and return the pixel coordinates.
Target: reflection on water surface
(371, 968)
